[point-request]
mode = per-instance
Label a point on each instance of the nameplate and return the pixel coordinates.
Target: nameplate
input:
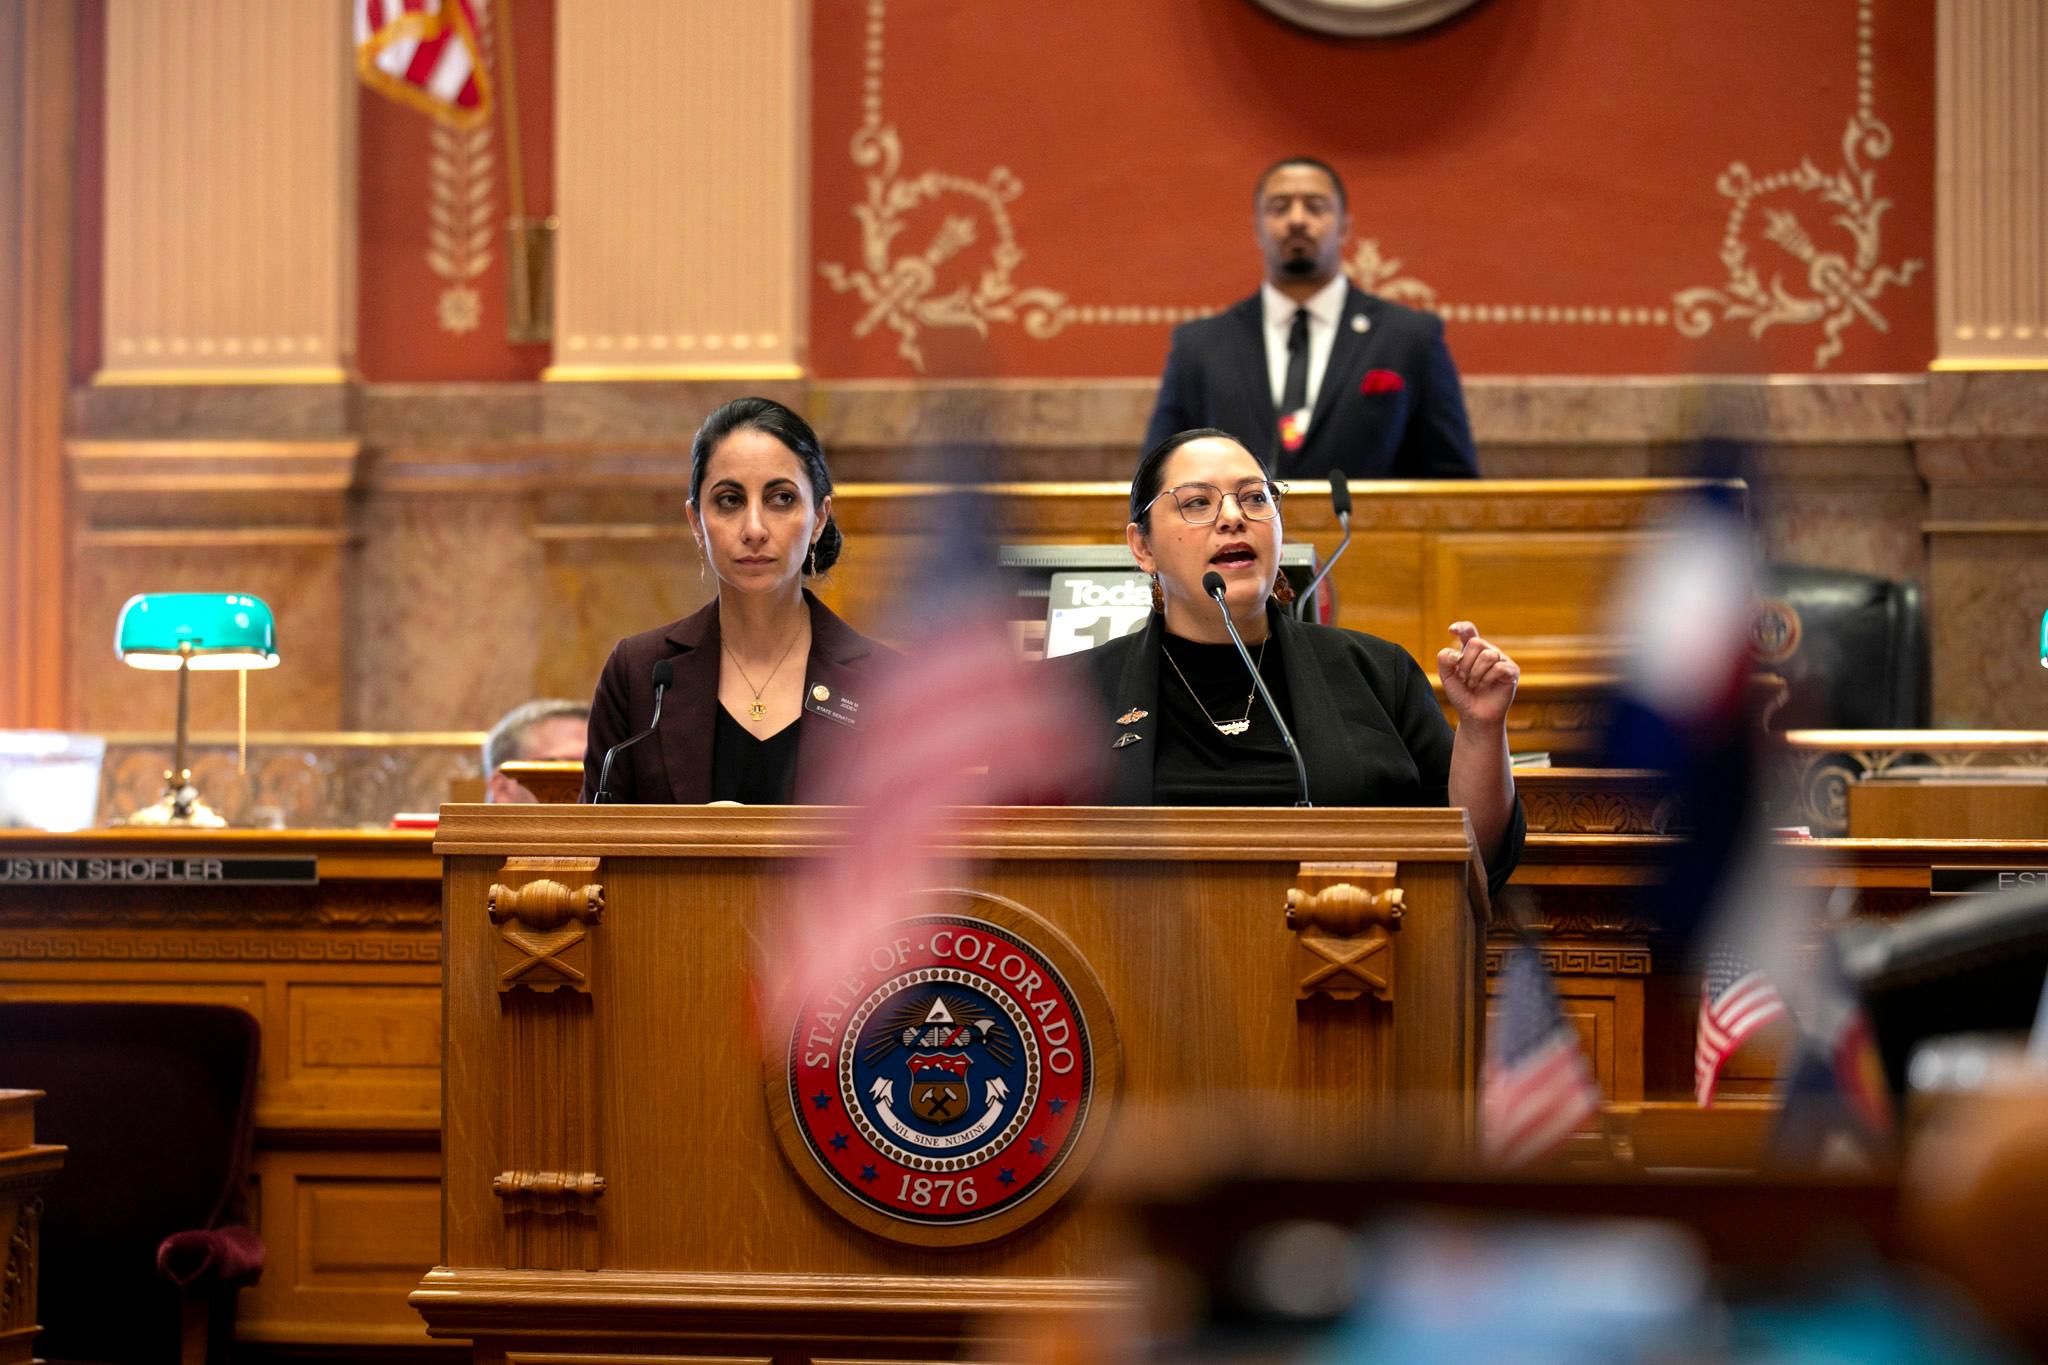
(1973, 881)
(151, 869)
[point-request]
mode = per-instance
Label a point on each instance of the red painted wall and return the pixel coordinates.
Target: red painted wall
(1534, 155)
(1534, 167)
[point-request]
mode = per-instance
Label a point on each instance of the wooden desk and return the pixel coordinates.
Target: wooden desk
(1899, 805)
(344, 976)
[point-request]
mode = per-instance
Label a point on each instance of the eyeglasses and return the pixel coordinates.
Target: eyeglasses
(1199, 503)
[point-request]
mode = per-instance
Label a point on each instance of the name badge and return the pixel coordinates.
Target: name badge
(823, 701)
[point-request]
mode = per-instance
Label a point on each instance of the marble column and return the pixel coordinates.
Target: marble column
(681, 187)
(1991, 185)
(230, 202)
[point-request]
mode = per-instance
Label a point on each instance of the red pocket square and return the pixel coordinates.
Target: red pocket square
(1381, 381)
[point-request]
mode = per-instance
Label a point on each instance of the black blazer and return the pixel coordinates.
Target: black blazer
(1216, 376)
(1368, 725)
(673, 765)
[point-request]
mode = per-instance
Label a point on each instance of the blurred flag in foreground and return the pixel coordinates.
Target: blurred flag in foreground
(1535, 1088)
(1682, 709)
(427, 54)
(1837, 1109)
(961, 722)
(1738, 999)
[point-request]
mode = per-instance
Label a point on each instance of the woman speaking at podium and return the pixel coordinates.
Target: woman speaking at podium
(1187, 727)
(756, 697)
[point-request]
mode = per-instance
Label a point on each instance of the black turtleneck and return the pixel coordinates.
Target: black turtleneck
(1196, 764)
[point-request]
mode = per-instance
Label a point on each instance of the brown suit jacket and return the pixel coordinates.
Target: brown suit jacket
(673, 765)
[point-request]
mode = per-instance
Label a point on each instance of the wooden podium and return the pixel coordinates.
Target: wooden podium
(629, 1169)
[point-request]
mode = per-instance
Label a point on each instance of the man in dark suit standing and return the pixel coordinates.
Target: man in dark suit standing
(1311, 372)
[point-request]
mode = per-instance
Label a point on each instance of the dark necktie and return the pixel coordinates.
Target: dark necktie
(1294, 392)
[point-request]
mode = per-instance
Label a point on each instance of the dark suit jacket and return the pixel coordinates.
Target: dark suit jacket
(1216, 376)
(1368, 726)
(673, 765)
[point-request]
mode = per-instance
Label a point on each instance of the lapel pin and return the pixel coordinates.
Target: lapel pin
(1132, 716)
(1127, 737)
(821, 693)
(1359, 322)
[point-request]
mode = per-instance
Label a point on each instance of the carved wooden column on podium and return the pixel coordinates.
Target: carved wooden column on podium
(25, 1168)
(231, 208)
(644, 280)
(545, 910)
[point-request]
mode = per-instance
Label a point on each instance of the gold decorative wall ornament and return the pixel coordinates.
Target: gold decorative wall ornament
(909, 285)
(1838, 286)
(461, 220)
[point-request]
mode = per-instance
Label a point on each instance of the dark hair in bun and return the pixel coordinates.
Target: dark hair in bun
(771, 418)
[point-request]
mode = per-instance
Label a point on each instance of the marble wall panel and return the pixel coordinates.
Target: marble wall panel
(298, 572)
(445, 619)
(600, 584)
(270, 412)
(1988, 592)
(1846, 507)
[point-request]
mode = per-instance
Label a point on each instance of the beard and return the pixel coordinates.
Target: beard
(1301, 267)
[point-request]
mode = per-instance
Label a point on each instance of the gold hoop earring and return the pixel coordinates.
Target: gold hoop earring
(1158, 597)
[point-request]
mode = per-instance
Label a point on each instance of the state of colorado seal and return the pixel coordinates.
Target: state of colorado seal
(953, 1082)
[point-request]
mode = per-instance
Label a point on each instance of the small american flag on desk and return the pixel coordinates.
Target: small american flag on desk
(1536, 1087)
(1736, 1001)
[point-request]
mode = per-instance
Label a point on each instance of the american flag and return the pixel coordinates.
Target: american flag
(428, 54)
(1736, 1001)
(1536, 1087)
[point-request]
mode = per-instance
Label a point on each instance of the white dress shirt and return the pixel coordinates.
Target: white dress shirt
(1325, 311)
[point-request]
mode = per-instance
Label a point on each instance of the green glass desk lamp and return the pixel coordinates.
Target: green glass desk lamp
(187, 631)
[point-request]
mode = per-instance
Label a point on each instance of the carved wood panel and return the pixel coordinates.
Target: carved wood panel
(545, 911)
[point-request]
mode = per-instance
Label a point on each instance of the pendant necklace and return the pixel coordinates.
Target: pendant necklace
(757, 711)
(1232, 728)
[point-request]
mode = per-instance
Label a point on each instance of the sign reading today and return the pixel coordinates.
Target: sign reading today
(152, 869)
(1090, 609)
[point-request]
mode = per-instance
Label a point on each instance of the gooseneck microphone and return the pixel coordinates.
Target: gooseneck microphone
(1212, 583)
(1340, 502)
(664, 674)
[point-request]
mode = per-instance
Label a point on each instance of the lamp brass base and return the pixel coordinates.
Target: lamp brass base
(179, 807)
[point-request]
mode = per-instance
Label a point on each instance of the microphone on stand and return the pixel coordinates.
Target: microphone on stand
(1212, 583)
(1340, 502)
(664, 674)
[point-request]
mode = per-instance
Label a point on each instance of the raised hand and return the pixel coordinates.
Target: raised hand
(1479, 679)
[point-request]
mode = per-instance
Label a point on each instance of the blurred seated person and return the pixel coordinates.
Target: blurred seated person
(546, 731)
(1180, 715)
(1312, 372)
(764, 703)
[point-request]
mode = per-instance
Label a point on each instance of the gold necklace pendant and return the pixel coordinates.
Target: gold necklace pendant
(759, 709)
(1229, 728)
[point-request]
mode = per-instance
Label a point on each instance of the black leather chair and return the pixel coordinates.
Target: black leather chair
(143, 1242)
(1852, 648)
(1974, 965)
